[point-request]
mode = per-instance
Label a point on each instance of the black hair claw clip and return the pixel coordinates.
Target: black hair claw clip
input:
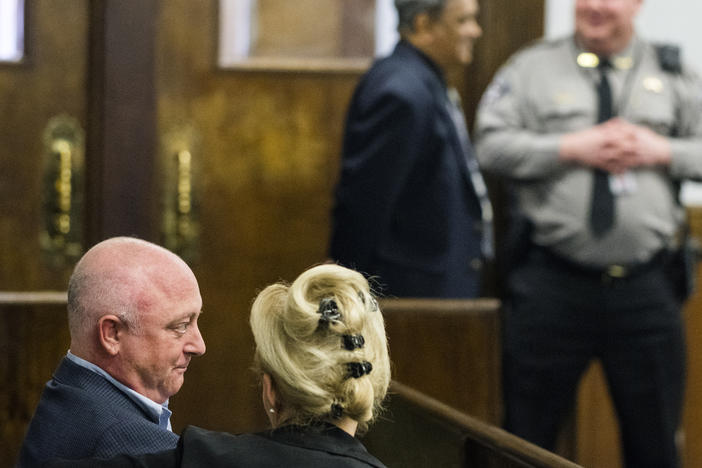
(352, 342)
(337, 410)
(359, 369)
(329, 311)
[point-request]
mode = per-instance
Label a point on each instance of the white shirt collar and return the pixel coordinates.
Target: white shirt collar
(157, 410)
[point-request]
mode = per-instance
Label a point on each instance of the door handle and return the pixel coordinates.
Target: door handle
(61, 236)
(180, 168)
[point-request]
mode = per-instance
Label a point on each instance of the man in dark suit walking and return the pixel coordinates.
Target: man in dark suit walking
(132, 313)
(411, 206)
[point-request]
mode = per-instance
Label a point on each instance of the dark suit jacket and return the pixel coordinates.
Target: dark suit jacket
(81, 414)
(406, 209)
(290, 447)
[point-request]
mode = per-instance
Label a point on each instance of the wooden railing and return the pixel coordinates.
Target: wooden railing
(418, 431)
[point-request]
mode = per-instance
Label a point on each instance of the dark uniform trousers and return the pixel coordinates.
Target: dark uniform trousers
(632, 324)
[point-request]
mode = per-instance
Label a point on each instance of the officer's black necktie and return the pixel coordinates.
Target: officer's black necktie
(602, 207)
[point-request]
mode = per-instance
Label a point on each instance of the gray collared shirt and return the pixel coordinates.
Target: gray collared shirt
(157, 410)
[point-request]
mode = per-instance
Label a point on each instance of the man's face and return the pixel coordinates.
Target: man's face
(605, 26)
(455, 32)
(156, 355)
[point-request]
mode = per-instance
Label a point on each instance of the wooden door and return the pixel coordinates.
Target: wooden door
(49, 83)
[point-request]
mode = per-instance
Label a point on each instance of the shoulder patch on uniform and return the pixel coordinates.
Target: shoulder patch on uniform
(497, 89)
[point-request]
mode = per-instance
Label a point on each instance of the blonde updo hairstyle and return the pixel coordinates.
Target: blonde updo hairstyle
(305, 354)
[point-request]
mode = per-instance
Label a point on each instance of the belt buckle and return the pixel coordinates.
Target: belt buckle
(613, 272)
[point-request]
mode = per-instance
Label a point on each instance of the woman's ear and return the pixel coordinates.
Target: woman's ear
(270, 398)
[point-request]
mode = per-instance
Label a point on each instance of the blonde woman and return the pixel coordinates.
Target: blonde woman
(322, 356)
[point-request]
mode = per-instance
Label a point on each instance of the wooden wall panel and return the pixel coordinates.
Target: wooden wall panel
(450, 350)
(51, 82)
(692, 411)
(122, 136)
(507, 26)
(33, 339)
(596, 427)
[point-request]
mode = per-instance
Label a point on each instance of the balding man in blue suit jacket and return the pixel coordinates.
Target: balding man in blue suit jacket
(132, 313)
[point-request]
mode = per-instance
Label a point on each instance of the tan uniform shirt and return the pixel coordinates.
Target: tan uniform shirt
(542, 93)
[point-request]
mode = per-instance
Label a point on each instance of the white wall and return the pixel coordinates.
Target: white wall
(676, 21)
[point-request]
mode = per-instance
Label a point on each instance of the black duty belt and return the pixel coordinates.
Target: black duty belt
(607, 273)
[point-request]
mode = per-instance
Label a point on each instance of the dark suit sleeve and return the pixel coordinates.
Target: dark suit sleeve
(167, 459)
(386, 136)
(134, 437)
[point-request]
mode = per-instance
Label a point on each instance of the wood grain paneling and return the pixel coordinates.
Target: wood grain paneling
(692, 411)
(51, 82)
(33, 339)
(122, 137)
(507, 26)
(450, 350)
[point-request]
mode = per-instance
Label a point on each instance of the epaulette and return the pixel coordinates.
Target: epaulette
(669, 57)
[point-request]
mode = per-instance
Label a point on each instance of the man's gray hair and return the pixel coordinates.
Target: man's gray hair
(407, 11)
(93, 294)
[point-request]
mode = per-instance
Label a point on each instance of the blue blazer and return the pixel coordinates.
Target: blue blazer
(81, 414)
(405, 208)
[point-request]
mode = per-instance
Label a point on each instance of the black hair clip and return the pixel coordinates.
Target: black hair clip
(329, 311)
(352, 342)
(359, 369)
(337, 410)
(373, 303)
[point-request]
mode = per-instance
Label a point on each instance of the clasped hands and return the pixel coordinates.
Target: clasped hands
(615, 146)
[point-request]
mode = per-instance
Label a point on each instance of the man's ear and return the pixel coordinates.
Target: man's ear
(422, 23)
(422, 35)
(110, 330)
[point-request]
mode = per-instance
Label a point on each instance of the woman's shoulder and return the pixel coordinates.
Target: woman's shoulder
(290, 445)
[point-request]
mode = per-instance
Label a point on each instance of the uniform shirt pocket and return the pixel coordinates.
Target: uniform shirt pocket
(653, 105)
(563, 113)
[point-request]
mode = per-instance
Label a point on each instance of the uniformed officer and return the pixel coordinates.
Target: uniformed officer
(595, 132)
